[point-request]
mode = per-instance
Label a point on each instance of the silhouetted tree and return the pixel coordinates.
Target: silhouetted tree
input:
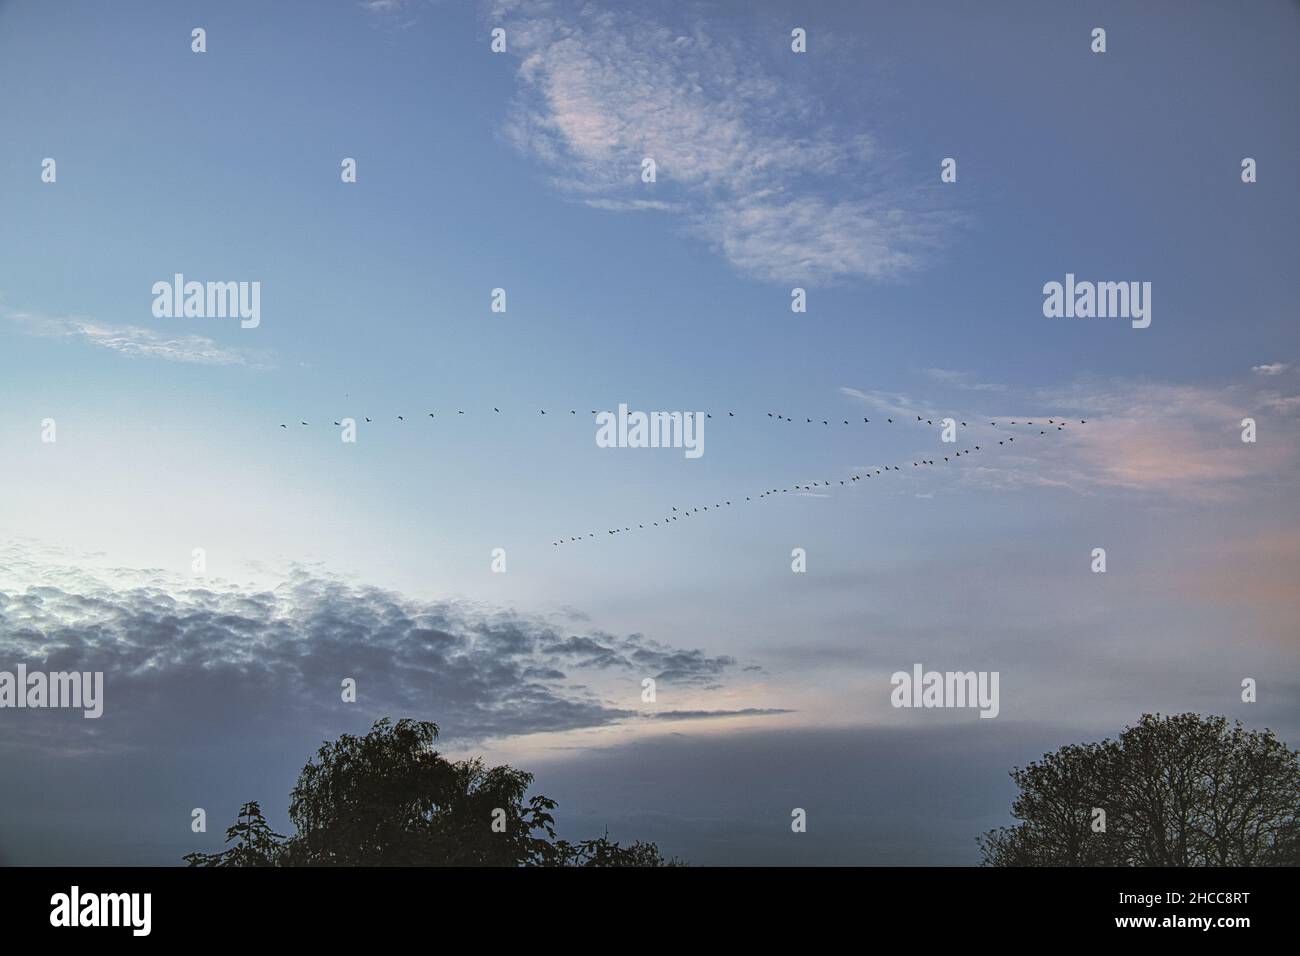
(1184, 790)
(603, 852)
(390, 799)
(256, 844)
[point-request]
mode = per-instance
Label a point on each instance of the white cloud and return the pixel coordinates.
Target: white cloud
(630, 205)
(136, 341)
(891, 403)
(962, 380)
(750, 162)
(1176, 440)
(1282, 403)
(1182, 440)
(1276, 368)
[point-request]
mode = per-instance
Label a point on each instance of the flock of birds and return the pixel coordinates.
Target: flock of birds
(1057, 423)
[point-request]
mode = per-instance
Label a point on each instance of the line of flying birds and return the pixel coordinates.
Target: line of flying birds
(1059, 424)
(776, 416)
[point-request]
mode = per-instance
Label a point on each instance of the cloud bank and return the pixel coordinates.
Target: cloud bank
(183, 658)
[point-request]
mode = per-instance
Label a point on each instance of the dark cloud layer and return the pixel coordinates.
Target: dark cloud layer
(704, 714)
(218, 694)
(176, 657)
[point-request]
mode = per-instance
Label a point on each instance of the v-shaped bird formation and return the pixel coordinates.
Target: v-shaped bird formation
(1058, 423)
(676, 514)
(756, 495)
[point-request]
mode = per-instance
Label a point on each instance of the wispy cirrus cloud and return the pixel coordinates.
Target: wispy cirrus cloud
(139, 342)
(1172, 438)
(1179, 440)
(894, 403)
(963, 380)
(395, 14)
(750, 162)
(1285, 404)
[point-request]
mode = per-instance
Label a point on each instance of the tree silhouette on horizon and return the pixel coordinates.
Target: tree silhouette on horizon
(389, 799)
(1181, 790)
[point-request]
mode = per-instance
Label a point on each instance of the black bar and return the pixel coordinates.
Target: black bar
(921, 904)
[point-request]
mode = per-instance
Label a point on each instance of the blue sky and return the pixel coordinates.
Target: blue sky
(775, 170)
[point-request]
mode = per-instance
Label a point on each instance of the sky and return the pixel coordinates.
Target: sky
(522, 170)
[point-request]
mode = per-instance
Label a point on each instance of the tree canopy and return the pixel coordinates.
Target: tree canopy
(389, 799)
(1181, 790)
